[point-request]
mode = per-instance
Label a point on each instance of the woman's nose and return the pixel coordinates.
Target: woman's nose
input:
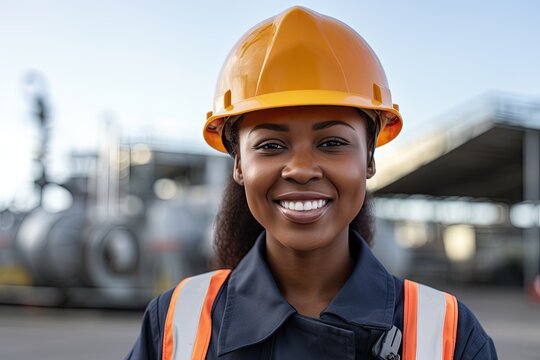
(301, 168)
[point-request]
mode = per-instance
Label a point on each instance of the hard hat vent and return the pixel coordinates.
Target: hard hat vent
(227, 99)
(377, 95)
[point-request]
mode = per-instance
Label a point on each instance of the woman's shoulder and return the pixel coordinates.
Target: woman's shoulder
(472, 340)
(158, 306)
(149, 341)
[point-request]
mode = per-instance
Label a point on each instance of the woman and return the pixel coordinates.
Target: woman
(301, 104)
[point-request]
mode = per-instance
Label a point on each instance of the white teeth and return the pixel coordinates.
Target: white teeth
(303, 205)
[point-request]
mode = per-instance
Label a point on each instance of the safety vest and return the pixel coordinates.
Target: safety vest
(429, 324)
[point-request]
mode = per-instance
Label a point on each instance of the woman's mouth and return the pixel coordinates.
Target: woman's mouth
(303, 211)
(303, 205)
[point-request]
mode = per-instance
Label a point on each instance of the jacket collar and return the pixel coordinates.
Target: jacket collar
(255, 308)
(368, 297)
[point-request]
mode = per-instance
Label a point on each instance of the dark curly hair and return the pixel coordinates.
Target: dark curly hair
(236, 229)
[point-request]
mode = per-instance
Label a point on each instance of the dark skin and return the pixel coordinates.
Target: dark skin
(304, 170)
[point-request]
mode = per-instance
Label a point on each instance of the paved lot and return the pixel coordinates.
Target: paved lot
(47, 334)
(509, 317)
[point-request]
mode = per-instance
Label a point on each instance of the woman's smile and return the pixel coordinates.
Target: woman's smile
(303, 207)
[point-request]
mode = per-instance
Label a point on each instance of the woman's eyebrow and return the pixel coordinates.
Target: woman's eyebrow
(327, 124)
(275, 127)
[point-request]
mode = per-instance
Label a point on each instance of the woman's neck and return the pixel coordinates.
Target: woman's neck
(309, 280)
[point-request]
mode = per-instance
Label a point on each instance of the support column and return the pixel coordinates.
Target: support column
(531, 192)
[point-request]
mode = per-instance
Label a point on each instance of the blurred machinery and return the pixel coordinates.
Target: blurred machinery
(136, 226)
(139, 220)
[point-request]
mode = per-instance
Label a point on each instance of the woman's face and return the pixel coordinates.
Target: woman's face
(304, 171)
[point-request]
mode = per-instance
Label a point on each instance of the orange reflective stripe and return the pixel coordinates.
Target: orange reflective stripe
(188, 325)
(450, 327)
(410, 316)
(432, 314)
(168, 345)
(204, 331)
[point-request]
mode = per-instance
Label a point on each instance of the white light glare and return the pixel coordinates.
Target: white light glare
(165, 189)
(141, 154)
(525, 215)
(459, 242)
(439, 211)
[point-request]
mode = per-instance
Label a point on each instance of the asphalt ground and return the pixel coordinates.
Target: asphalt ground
(509, 316)
(26, 333)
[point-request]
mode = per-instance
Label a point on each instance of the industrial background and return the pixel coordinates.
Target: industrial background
(108, 193)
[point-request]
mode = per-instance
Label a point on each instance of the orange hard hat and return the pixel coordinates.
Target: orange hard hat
(296, 58)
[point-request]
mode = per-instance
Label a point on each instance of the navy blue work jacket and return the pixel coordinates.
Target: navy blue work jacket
(252, 320)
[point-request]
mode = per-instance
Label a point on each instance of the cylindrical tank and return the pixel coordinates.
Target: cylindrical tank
(112, 259)
(50, 245)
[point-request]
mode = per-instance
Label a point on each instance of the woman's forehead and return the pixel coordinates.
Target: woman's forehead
(302, 115)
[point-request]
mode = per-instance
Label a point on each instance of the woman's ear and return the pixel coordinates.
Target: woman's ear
(371, 168)
(237, 171)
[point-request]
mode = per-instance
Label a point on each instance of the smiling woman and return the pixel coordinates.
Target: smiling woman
(290, 158)
(301, 104)
(304, 171)
(236, 228)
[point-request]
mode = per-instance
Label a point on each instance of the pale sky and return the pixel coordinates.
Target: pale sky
(154, 64)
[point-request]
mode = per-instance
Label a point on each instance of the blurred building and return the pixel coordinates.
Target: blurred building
(461, 202)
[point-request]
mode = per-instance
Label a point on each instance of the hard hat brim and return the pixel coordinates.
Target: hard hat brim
(391, 118)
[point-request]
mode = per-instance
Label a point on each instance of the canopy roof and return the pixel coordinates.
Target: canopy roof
(476, 152)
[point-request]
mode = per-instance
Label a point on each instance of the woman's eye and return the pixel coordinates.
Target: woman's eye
(269, 146)
(333, 143)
